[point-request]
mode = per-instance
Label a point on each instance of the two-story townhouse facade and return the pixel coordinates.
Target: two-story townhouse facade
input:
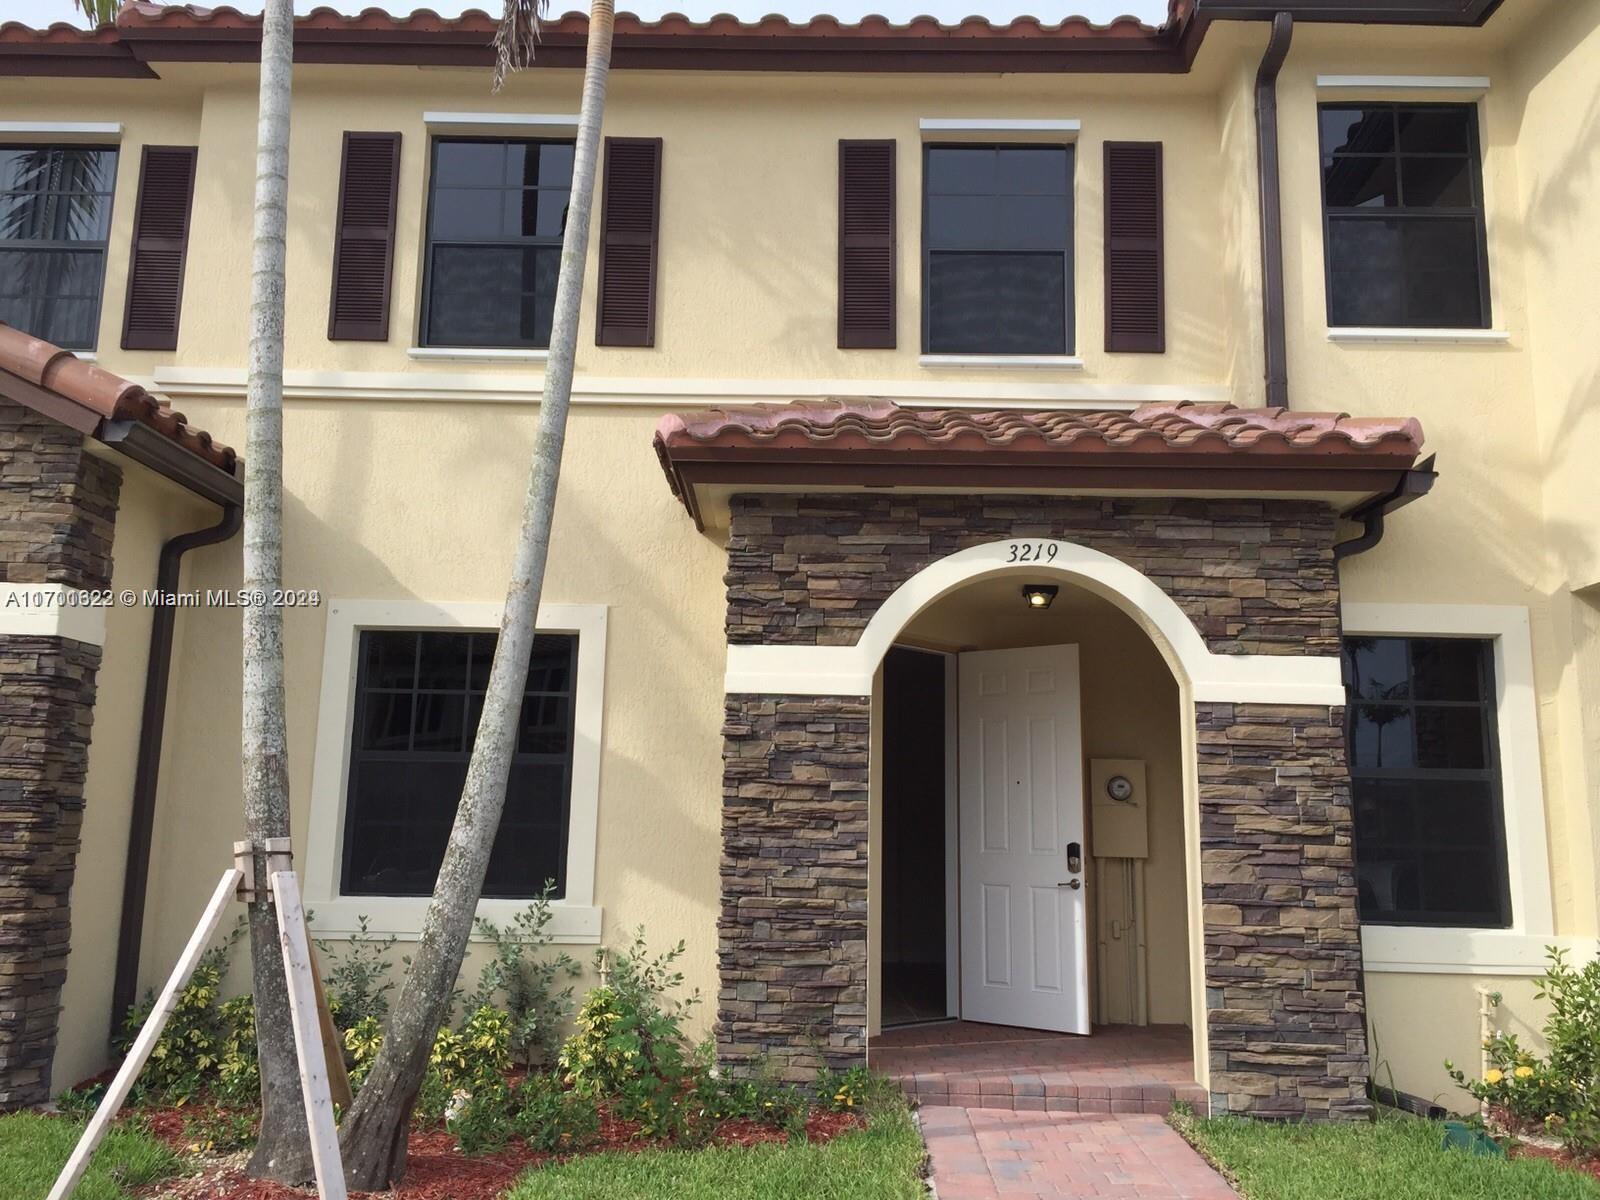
(1061, 526)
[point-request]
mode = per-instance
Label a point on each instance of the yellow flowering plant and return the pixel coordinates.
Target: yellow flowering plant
(1558, 1092)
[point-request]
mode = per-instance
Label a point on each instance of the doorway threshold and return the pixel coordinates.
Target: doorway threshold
(1116, 1069)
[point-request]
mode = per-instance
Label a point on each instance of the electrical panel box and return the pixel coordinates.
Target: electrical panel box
(1120, 802)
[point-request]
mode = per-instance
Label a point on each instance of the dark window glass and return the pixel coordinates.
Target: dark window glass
(1402, 198)
(1430, 836)
(418, 699)
(55, 216)
(997, 247)
(497, 211)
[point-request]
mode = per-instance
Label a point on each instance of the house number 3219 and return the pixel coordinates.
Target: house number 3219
(1024, 552)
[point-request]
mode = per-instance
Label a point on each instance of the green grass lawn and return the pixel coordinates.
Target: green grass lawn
(881, 1162)
(1388, 1159)
(34, 1148)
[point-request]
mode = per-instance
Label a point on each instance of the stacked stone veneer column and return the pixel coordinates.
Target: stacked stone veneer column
(57, 509)
(1278, 891)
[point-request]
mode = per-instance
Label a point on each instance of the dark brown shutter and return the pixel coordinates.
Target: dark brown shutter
(1135, 301)
(363, 244)
(630, 219)
(160, 247)
(866, 245)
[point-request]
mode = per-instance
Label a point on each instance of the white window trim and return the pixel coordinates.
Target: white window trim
(1475, 84)
(63, 131)
(1021, 362)
(934, 128)
(52, 610)
(1519, 949)
(555, 124)
(575, 917)
(477, 354)
(1375, 333)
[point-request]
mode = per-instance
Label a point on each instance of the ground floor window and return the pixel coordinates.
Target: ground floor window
(1425, 774)
(419, 694)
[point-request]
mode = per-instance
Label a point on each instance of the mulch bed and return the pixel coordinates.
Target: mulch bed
(1561, 1158)
(437, 1170)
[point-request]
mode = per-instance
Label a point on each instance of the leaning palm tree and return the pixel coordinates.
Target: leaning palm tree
(283, 1148)
(373, 1133)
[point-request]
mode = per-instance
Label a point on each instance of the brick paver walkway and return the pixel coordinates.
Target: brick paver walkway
(989, 1154)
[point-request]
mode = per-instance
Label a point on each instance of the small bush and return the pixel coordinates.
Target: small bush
(207, 1044)
(481, 1120)
(1560, 1091)
(552, 1119)
(221, 1130)
(357, 982)
(524, 979)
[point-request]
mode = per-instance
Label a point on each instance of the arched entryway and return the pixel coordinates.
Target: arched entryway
(1101, 704)
(1238, 598)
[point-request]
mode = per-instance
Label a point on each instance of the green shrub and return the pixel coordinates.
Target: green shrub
(1560, 1091)
(552, 1119)
(524, 979)
(221, 1130)
(207, 1045)
(481, 1121)
(361, 1043)
(856, 1090)
(357, 982)
(463, 1063)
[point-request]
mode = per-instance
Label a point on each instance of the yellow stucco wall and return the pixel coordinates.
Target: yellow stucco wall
(390, 497)
(152, 510)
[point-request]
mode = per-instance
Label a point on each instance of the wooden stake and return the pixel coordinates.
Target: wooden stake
(308, 1036)
(332, 1046)
(72, 1173)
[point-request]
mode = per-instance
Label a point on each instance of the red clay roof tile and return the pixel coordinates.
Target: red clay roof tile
(1151, 429)
(109, 397)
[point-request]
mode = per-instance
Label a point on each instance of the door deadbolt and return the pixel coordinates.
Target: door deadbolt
(1074, 856)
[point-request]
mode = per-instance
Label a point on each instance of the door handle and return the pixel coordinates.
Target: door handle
(1074, 884)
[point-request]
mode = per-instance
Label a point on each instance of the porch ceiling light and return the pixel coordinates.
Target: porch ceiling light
(1039, 595)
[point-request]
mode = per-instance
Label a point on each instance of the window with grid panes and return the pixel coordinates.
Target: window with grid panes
(419, 694)
(1403, 216)
(497, 210)
(1425, 777)
(55, 217)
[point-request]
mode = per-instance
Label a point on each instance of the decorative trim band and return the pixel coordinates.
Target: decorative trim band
(480, 387)
(1222, 678)
(1004, 362)
(967, 126)
(63, 130)
(52, 610)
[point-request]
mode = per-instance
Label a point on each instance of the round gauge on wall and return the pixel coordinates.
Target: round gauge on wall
(1120, 788)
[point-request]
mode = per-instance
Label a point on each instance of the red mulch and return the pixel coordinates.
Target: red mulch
(436, 1170)
(1561, 1158)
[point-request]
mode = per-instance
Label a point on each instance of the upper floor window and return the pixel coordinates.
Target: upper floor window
(1425, 776)
(497, 210)
(419, 694)
(1402, 194)
(997, 250)
(55, 217)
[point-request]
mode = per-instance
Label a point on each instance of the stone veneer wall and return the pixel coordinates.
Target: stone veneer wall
(1284, 1004)
(58, 505)
(1282, 953)
(792, 938)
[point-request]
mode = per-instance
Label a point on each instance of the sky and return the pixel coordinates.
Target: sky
(46, 12)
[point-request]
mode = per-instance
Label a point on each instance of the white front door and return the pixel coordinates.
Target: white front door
(1024, 945)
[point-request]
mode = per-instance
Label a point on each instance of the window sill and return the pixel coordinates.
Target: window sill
(1030, 362)
(1430, 950)
(474, 354)
(1480, 337)
(402, 916)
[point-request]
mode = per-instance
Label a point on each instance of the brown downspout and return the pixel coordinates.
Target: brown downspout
(152, 726)
(1277, 364)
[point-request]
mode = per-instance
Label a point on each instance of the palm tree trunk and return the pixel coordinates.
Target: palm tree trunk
(283, 1150)
(373, 1134)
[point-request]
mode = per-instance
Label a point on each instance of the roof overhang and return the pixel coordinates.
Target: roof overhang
(119, 413)
(1167, 450)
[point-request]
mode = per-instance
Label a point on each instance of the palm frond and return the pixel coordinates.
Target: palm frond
(101, 12)
(514, 41)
